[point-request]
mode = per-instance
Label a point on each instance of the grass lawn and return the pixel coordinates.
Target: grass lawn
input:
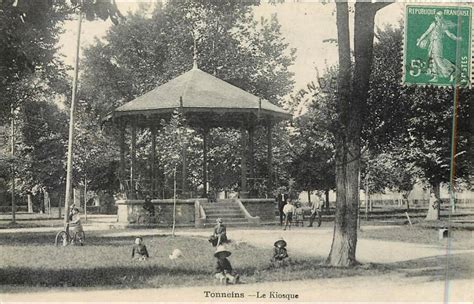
(30, 261)
(460, 239)
(30, 224)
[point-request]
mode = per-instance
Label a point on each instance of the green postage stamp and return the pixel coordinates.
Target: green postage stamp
(438, 45)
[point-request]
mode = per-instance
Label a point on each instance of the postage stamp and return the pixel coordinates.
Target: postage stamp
(438, 45)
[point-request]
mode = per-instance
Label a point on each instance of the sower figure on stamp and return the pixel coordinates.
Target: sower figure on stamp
(281, 199)
(224, 272)
(315, 212)
(439, 66)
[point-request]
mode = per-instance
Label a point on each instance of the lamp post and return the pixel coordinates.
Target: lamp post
(13, 163)
(71, 122)
(174, 201)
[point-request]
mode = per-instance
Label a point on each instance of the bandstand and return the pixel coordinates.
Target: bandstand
(206, 102)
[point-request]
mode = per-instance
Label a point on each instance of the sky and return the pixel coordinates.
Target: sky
(304, 25)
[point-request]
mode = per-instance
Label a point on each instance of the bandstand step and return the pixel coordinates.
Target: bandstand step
(228, 210)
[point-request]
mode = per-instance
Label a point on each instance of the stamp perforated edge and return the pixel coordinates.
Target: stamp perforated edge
(437, 4)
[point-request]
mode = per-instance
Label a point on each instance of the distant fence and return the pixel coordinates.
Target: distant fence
(8, 209)
(418, 202)
(90, 209)
(413, 203)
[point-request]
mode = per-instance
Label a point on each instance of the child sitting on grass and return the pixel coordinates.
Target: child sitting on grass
(224, 272)
(279, 253)
(140, 249)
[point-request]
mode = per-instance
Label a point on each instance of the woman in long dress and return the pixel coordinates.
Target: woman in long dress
(438, 66)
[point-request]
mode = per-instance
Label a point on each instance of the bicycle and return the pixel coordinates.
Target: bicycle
(64, 238)
(147, 218)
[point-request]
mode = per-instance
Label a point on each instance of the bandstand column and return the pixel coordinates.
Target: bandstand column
(133, 156)
(251, 155)
(269, 157)
(183, 153)
(205, 177)
(243, 163)
(122, 156)
(183, 170)
(153, 159)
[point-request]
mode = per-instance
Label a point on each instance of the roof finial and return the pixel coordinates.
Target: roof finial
(195, 65)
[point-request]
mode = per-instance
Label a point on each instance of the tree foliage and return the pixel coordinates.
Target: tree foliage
(41, 146)
(33, 80)
(312, 164)
(416, 122)
(29, 61)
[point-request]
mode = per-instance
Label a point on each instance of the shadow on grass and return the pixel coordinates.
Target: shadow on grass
(47, 238)
(456, 266)
(142, 275)
(126, 277)
(8, 225)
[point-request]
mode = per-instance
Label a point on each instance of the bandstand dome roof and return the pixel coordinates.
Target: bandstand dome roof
(204, 99)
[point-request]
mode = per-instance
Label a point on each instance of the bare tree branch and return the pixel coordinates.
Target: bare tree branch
(379, 5)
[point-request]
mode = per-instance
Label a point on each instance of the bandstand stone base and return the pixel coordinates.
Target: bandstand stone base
(130, 213)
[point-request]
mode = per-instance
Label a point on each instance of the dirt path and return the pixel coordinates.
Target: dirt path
(385, 288)
(306, 242)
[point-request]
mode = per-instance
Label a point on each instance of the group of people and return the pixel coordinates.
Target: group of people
(287, 210)
(224, 271)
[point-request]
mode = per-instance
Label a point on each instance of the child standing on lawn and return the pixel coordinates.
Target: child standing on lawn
(224, 272)
(140, 250)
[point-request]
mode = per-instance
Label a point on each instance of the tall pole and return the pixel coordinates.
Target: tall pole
(367, 194)
(452, 167)
(85, 197)
(13, 164)
(71, 122)
(174, 201)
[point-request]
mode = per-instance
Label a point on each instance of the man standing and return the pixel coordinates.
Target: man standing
(282, 198)
(315, 211)
(148, 206)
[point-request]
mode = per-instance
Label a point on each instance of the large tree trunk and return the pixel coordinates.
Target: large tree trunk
(345, 225)
(326, 193)
(351, 106)
(434, 203)
(406, 202)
